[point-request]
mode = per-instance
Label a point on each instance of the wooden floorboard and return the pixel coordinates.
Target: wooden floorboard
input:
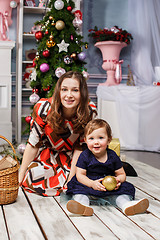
(90, 227)
(120, 224)
(3, 230)
(52, 218)
(35, 217)
(21, 222)
(146, 172)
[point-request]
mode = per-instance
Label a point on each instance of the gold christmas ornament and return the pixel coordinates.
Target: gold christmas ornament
(53, 23)
(74, 56)
(59, 25)
(109, 182)
(50, 18)
(50, 43)
(36, 57)
(86, 46)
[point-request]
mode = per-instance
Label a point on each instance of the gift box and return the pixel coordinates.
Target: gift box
(115, 145)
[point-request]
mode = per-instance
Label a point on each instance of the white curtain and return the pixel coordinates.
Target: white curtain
(137, 114)
(144, 24)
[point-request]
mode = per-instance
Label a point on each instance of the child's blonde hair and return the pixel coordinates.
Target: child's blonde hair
(95, 124)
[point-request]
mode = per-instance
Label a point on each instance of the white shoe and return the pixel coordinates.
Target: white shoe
(134, 207)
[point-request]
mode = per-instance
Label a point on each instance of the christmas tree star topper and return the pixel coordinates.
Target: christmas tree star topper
(63, 46)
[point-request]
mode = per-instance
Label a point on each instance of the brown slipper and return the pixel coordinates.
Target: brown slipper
(77, 208)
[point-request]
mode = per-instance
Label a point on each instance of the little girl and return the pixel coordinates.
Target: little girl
(93, 165)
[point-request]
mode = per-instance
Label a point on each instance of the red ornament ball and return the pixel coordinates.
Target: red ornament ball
(46, 89)
(46, 32)
(39, 35)
(78, 14)
(28, 119)
(46, 53)
(35, 90)
(34, 64)
(69, 8)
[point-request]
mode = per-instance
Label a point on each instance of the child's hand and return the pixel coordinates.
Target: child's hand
(118, 183)
(97, 185)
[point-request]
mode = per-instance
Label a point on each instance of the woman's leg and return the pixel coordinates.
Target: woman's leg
(43, 181)
(80, 205)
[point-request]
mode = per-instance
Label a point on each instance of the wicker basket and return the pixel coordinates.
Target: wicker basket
(9, 181)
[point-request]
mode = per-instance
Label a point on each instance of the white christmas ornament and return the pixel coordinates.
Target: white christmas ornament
(85, 75)
(63, 46)
(13, 4)
(59, 72)
(34, 98)
(21, 148)
(59, 4)
(77, 22)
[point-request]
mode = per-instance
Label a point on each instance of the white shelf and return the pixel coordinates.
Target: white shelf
(5, 89)
(37, 10)
(25, 62)
(26, 89)
(29, 35)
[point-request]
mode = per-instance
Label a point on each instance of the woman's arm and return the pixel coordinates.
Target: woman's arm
(82, 178)
(73, 164)
(28, 156)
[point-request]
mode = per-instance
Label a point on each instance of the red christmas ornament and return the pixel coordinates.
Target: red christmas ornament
(69, 8)
(46, 89)
(35, 90)
(28, 119)
(46, 32)
(78, 14)
(34, 64)
(39, 35)
(46, 53)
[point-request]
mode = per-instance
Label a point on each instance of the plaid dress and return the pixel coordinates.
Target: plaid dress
(48, 173)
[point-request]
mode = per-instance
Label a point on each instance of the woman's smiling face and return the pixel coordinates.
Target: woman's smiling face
(70, 94)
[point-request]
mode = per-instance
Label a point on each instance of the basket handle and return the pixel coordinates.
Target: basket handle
(11, 146)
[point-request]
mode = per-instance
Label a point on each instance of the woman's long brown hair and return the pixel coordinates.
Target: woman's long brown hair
(82, 115)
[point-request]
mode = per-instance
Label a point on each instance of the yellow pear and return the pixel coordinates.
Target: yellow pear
(109, 182)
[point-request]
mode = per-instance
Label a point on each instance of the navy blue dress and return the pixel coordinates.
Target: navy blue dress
(96, 170)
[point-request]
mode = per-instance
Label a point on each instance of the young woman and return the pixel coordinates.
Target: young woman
(56, 137)
(93, 165)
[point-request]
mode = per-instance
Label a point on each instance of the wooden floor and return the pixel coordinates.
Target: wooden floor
(34, 217)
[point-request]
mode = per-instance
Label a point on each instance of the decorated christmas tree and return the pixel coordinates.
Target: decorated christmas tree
(60, 47)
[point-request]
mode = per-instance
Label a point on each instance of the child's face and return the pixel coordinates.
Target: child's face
(97, 141)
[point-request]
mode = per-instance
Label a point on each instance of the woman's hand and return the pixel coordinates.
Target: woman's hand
(28, 156)
(97, 185)
(21, 177)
